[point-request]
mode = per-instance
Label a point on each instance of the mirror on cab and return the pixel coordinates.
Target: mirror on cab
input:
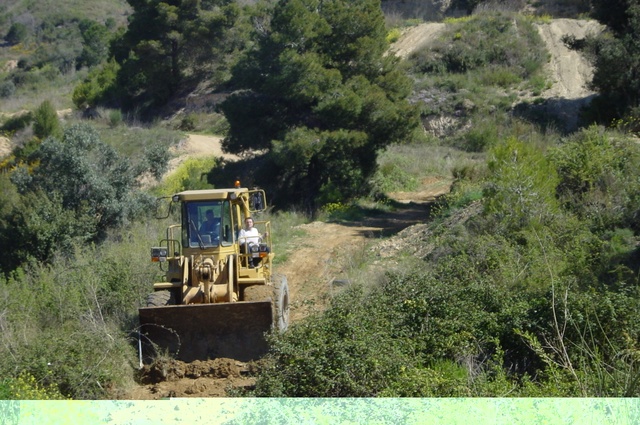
(163, 207)
(257, 200)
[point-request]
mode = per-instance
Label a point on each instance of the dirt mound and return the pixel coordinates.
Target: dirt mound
(172, 378)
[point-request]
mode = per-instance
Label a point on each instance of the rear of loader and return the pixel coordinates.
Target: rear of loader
(218, 297)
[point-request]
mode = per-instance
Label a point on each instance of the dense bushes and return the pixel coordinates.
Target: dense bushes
(72, 189)
(525, 299)
(65, 324)
(599, 178)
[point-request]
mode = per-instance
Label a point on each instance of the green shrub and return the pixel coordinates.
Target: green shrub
(392, 177)
(521, 189)
(98, 87)
(190, 175)
(89, 301)
(480, 137)
(335, 355)
(45, 121)
(188, 123)
(486, 40)
(115, 118)
(18, 33)
(17, 122)
(599, 179)
(7, 89)
(393, 35)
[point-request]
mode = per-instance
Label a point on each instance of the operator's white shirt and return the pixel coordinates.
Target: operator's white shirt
(251, 236)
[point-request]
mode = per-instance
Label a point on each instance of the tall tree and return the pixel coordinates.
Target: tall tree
(617, 59)
(95, 45)
(320, 94)
(613, 13)
(167, 40)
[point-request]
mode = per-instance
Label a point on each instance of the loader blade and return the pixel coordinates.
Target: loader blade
(206, 331)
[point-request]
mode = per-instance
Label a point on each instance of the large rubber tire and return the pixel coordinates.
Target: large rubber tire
(161, 298)
(281, 303)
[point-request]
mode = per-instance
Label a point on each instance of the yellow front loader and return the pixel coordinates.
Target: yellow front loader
(219, 295)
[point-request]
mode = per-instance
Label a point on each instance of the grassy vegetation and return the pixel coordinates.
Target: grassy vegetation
(483, 59)
(42, 65)
(42, 9)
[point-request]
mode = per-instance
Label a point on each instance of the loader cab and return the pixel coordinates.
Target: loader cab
(206, 224)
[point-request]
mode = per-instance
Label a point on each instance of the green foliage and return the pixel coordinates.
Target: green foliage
(524, 299)
(37, 227)
(7, 89)
(45, 121)
(165, 42)
(17, 122)
(599, 177)
(157, 160)
(18, 33)
(616, 59)
(95, 46)
(630, 123)
(504, 43)
(339, 212)
(613, 13)
(25, 387)
(331, 356)
(474, 60)
(521, 187)
(322, 97)
(394, 177)
(115, 118)
(97, 87)
(485, 316)
(190, 175)
(480, 137)
(131, 141)
(89, 302)
(393, 35)
(78, 189)
(188, 123)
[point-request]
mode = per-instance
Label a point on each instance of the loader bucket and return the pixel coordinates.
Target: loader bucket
(206, 331)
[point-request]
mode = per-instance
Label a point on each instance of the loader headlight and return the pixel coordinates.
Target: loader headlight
(158, 254)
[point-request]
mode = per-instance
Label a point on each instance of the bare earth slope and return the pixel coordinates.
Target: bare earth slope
(315, 270)
(570, 71)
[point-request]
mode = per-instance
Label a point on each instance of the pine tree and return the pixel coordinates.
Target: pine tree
(320, 94)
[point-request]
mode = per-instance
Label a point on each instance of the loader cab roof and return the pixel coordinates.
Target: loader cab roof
(208, 194)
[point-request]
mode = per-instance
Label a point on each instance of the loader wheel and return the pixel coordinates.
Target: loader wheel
(281, 302)
(161, 298)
